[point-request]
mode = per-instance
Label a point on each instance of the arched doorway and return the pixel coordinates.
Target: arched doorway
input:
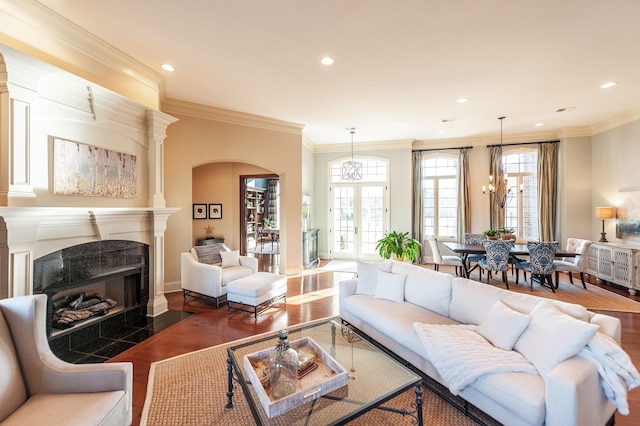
(259, 214)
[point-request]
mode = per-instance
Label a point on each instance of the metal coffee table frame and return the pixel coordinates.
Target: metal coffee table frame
(324, 333)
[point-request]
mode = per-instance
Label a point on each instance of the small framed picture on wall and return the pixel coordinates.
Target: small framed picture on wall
(215, 211)
(199, 211)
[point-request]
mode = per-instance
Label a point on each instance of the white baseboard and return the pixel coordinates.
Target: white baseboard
(172, 287)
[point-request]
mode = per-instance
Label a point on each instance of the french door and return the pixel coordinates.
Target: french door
(358, 219)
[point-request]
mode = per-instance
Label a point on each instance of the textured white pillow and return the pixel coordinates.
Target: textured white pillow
(390, 286)
(502, 326)
(210, 253)
(230, 258)
(425, 287)
(552, 337)
(367, 277)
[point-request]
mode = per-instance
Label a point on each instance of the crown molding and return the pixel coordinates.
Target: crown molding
(574, 132)
(485, 140)
(175, 106)
(614, 122)
(308, 143)
(364, 146)
(57, 39)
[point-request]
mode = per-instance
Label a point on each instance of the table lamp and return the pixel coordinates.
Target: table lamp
(604, 213)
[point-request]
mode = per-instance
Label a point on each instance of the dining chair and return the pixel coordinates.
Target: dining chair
(261, 236)
(496, 258)
(573, 264)
(476, 240)
(540, 264)
(439, 259)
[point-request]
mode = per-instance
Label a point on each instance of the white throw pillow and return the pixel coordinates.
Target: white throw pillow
(367, 277)
(503, 326)
(425, 287)
(390, 286)
(552, 337)
(230, 258)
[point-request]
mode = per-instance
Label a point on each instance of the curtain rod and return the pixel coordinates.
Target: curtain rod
(440, 149)
(522, 143)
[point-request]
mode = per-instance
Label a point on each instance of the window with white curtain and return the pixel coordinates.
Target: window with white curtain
(521, 212)
(440, 195)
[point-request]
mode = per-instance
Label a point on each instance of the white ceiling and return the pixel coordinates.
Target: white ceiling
(399, 65)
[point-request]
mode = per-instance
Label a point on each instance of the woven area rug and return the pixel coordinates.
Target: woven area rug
(190, 389)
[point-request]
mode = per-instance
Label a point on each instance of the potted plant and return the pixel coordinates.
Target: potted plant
(269, 223)
(506, 233)
(491, 234)
(398, 244)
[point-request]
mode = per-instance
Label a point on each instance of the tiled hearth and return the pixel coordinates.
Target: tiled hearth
(101, 341)
(113, 270)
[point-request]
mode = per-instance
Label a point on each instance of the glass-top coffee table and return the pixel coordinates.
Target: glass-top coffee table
(373, 378)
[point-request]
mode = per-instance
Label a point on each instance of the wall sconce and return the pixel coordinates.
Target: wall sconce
(604, 213)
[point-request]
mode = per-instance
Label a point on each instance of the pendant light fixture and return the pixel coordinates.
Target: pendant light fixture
(499, 189)
(351, 170)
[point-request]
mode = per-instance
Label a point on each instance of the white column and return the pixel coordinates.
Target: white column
(157, 301)
(157, 123)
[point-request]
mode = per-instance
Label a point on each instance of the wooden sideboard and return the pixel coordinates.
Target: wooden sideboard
(207, 241)
(616, 263)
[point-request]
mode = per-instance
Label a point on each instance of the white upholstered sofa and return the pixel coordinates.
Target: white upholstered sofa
(37, 388)
(208, 269)
(389, 312)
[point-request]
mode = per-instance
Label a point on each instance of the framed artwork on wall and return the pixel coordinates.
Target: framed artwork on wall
(215, 211)
(90, 171)
(628, 215)
(199, 211)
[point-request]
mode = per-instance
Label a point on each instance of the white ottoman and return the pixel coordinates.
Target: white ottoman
(258, 291)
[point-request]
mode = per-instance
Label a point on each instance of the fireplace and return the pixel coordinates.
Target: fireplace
(103, 284)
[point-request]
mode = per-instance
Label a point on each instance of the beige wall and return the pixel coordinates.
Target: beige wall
(616, 173)
(309, 178)
(219, 183)
(574, 197)
(194, 142)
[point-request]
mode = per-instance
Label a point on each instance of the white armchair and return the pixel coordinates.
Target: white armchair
(573, 264)
(38, 388)
(211, 279)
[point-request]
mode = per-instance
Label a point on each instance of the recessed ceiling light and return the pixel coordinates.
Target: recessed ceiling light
(327, 60)
(168, 67)
(462, 100)
(608, 84)
(539, 124)
(442, 132)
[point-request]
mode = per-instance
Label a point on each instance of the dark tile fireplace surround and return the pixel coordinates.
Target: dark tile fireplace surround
(116, 269)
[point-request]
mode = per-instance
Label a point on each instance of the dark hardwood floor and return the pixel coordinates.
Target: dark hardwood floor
(311, 295)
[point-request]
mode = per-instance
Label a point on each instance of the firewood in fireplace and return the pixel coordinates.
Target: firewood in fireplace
(80, 307)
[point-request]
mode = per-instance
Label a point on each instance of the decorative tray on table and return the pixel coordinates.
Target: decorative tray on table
(318, 375)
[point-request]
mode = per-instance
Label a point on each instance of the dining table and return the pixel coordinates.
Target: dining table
(517, 250)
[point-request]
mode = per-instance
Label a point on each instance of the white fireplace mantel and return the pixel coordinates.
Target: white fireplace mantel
(27, 233)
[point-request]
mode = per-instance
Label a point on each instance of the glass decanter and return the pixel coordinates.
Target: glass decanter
(283, 368)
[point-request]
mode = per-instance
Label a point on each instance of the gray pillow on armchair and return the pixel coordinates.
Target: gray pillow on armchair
(210, 254)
